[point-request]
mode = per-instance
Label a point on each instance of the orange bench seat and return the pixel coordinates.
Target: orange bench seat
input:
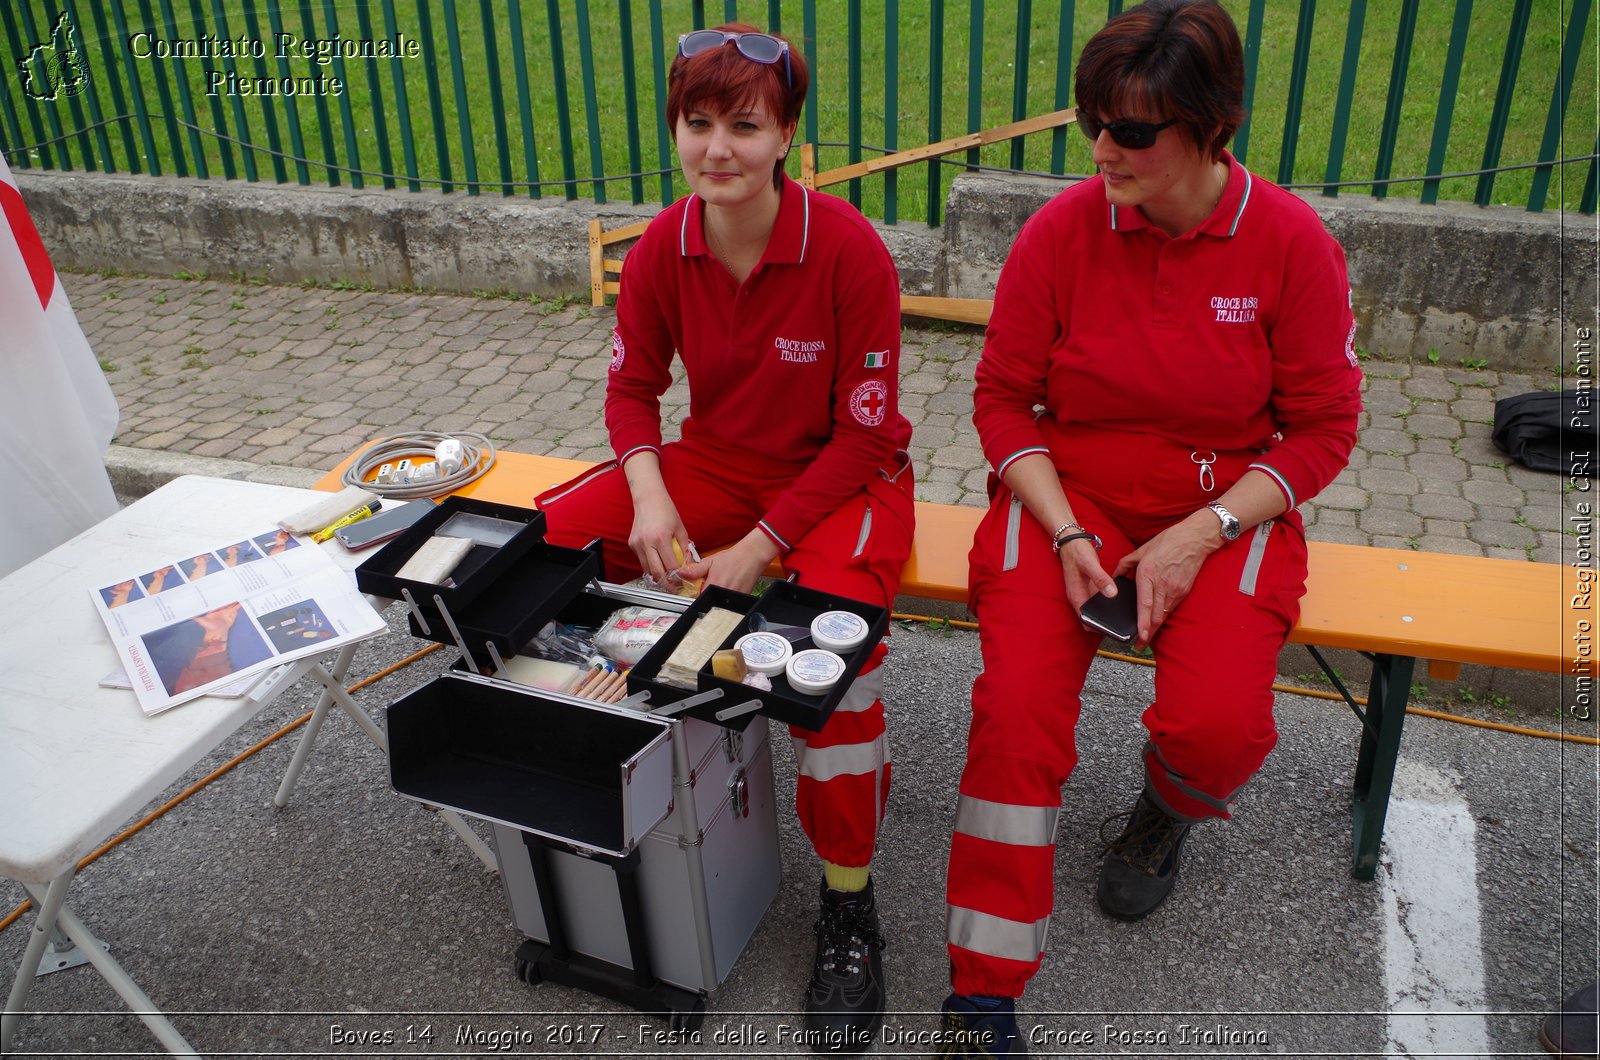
(1395, 606)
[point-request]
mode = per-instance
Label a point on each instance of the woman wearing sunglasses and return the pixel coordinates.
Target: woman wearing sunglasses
(1185, 328)
(784, 308)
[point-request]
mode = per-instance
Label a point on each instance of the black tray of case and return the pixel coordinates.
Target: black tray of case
(783, 604)
(481, 567)
(530, 593)
(595, 776)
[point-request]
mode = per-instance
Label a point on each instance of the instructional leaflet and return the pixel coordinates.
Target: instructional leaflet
(204, 621)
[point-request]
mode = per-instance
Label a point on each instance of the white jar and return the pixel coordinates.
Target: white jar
(838, 631)
(765, 653)
(814, 671)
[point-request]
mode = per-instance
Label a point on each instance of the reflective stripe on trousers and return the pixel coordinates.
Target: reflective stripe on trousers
(822, 764)
(1014, 826)
(843, 773)
(998, 822)
(995, 937)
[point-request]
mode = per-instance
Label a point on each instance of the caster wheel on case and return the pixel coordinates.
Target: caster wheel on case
(529, 972)
(689, 1021)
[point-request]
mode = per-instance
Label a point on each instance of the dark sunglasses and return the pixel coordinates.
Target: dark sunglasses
(757, 47)
(1132, 135)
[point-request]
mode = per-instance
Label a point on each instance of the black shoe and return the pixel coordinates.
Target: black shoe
(844, 1003)
(1140, 865)
(980, 1026)
(1572, 1031)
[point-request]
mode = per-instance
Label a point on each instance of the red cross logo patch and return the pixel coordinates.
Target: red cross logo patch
(618, 350)
(869, 402)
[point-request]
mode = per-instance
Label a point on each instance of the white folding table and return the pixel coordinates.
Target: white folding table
(77, 760)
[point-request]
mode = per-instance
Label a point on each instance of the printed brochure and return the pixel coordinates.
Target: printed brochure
(205, 621)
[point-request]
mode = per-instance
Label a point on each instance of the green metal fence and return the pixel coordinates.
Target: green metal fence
(1427, 99)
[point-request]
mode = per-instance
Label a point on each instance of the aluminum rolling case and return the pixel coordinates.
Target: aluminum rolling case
(638, 847)
(715, 857)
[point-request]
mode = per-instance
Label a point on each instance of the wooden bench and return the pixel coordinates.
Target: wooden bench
(1394, 607)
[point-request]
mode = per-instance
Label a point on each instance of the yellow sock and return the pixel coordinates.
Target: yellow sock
(845, 878)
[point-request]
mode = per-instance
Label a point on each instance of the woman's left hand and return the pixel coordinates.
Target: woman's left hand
(1165, 568)
(736, 567)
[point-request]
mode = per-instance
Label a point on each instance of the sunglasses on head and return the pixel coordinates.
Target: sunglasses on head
(1132, 135)
(757, 47)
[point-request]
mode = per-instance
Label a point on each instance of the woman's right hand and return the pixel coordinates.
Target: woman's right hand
(1085, 577)
(1034, 479)
(656, 526)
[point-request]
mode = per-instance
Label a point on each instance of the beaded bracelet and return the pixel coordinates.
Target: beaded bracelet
(1056, 540)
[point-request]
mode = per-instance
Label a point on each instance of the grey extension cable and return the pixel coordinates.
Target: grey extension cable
(477, 457)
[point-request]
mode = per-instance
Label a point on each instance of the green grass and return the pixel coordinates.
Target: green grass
(24, 121)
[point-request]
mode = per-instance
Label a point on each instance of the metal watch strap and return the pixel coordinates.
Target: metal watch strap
(1231, 527)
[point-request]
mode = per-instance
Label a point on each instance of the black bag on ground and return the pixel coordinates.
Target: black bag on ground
(1546, 430)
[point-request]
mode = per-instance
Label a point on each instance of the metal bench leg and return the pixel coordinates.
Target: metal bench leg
(1380, 750)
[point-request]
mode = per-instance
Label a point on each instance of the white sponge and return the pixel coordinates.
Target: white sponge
(435, 559)
(327, 510)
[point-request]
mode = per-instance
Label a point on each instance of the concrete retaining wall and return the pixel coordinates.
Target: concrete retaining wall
(1494, 283)
(1484, 282)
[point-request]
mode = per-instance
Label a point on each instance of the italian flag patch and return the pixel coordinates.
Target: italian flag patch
(877, 358)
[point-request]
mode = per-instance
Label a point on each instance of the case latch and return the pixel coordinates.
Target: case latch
(739, 794)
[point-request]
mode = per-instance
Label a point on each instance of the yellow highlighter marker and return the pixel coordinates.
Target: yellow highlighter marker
(354, 517)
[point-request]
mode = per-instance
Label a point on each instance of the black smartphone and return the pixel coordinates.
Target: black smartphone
(375, 529)
(1117, 617)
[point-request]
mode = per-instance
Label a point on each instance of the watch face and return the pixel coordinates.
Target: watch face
(1231, 527)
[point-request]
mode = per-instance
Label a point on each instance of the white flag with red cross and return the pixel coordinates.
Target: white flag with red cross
(57, 412)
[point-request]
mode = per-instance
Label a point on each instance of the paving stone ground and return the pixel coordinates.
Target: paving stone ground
(301, 376)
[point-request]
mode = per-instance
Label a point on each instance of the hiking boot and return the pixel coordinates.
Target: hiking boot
(1140, 865)
(976, 1026)
(844, 1002)
(1572, 1032)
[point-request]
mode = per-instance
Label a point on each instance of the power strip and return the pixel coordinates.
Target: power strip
(433, 562)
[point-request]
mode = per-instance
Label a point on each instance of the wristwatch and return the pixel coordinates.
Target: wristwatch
(1231, 528)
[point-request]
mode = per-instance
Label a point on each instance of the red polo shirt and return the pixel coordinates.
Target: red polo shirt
(1237, 335)
(796, 365)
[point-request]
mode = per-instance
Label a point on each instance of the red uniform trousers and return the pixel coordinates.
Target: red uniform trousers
(857, 550)
(1210, 727)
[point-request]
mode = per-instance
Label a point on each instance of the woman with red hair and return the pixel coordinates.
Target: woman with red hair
(784, 308)
(1168, 372)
